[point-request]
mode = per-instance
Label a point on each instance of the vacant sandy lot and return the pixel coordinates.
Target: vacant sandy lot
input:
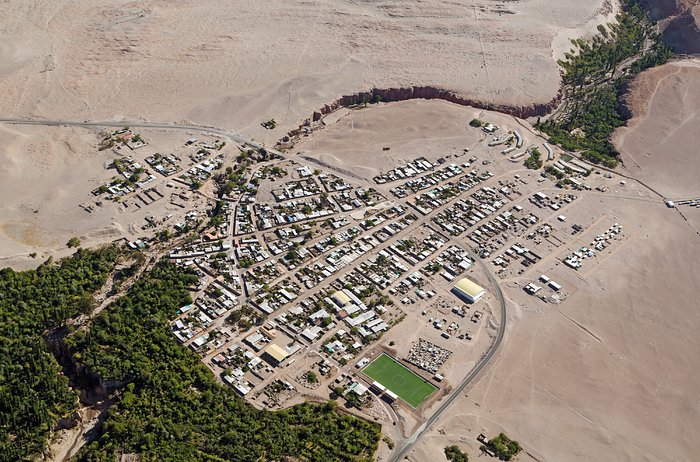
(376, 139)
(238, 63)
(373, 140)
(660, 143)
(46, 174)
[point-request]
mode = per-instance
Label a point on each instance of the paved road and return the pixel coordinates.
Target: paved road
(406, 445)
(136, 124)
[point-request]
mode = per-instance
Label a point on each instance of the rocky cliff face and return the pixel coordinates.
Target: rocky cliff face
(679, 21)
(427, 92)
(386, 95)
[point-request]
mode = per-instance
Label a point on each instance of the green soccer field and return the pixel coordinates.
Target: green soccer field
(408, 386)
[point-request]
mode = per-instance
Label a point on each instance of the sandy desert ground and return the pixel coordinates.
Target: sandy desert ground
(238, 63)
(627, 392)
(45, 175)
(659, 144)
(623, 388)
(410, 129)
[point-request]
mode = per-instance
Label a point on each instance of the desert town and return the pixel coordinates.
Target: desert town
(452, 225)
(384, 292)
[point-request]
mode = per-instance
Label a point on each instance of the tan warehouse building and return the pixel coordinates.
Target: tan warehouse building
(468, 290)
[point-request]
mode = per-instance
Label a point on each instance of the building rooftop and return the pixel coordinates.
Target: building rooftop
(276, 352)
(341, 298)
(469, 287)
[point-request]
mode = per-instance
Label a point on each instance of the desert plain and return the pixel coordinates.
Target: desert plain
(609, 373)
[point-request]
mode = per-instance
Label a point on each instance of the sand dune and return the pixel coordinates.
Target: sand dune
(237, 63)
(659, 144)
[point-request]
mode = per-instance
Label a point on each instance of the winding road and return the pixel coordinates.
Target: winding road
(404, 446)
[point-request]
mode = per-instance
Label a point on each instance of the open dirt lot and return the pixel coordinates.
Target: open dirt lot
(238, 63)
(46, 173)
(409, 129)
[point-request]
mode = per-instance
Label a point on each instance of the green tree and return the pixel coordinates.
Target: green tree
(455, 454)
(34, 393)
(311, 377)
(171, 399)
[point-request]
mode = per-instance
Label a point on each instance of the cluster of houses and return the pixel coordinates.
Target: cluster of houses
(123, 137)
(215, 300)
(491, 235)
(426, 203)
(295, 211)
(542, 200)
(409, 170)
(450, 263)
(517, 253)
(312, 275)
(600, 242)
(303, 200)
(250, 363)
(382, 269)
(273, 297)
(296, 189)
(201, 172)
(332, 183)
(572, 166)
(200, 251)
(468, 212)
(429, 180)
(132, 175)
(166, 165)
(243, 223)
(250, 251)
(533, 288)
(292, 271)
(351, 200)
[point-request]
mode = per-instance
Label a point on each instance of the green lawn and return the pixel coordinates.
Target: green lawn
(408, 386)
